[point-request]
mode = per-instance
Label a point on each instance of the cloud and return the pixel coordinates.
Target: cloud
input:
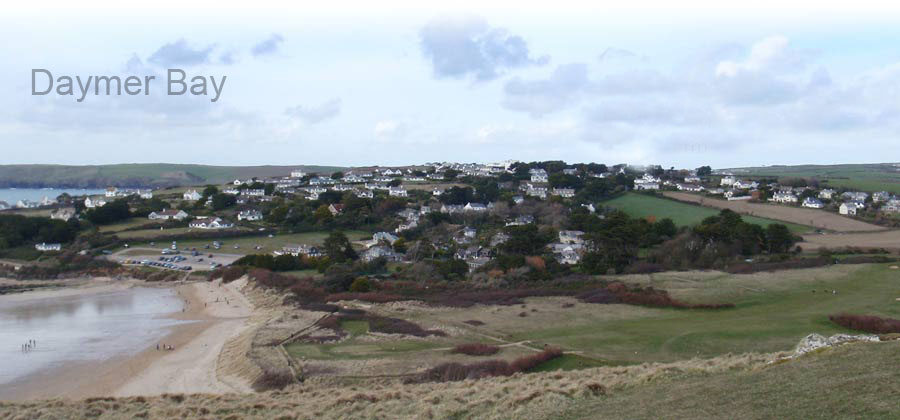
(539, 97)
(771, 73)
(228, 57)
(460, 47)
(268, 46)
(179, 53)
(612, 54)
(316, 114)
(389, 129)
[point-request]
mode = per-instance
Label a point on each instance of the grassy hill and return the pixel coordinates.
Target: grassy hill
(866, 177)
(137, 174)
(683, 214)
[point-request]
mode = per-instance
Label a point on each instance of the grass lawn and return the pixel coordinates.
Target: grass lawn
(683, 214)
(354, 347)
(773, 312)
(125, 224)
(247, 245)
(569, 362)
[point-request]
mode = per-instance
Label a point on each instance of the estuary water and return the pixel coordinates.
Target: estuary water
(78, 328)
(13, 195)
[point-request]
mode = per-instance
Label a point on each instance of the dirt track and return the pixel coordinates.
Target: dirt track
(801, 216)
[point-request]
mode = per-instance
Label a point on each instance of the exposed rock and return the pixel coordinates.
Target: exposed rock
(814, 342)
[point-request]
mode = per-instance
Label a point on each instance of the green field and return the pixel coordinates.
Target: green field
(864, 177)
(247, 245)
(143, 174)
(683, 214)
(773, 312)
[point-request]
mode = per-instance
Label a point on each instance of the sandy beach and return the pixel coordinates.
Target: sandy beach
(222, 313)
(213, 313)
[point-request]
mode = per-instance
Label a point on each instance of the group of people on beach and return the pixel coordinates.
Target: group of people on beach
(164, 347)
(29, 346)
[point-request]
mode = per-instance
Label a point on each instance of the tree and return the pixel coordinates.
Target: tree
(704, 171)
(779, 238)
(222, 201)
(110, 213)
(337, 175)
(451, 174)
(210, 190)
(360, 285)
(338, 247)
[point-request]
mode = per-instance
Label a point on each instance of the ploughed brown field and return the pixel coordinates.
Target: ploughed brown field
(887, 239)
(817, 218)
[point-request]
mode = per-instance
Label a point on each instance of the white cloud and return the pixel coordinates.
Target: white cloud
(316, 114)
(388, 129)
(762, 55)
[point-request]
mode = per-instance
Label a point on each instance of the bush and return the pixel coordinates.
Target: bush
(867, 323)
(272, 380)
(475, 349)
(450, 372)
(360, 285)
(232, 273)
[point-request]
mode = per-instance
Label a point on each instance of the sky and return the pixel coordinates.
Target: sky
(352, 84)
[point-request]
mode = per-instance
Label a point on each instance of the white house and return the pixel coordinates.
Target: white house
(297, 173)
(397, 192)
(563, 192)
(146, 195)
(99, 202)
(63, 214)
(383, 236)
(826, 194)
(849, 208)
(571, 236)
(47, 247)
(745, 185)
(211, 223)
(192, 195)
(727, 180)
(170, 214)
(813, 203)
(784, 197)
(303, 249)
(111, 191)
(364, 194)
(452, 208)
(539, 177)
(250, 215)
(892, 206)
(881, 196)
(689, 187)
(521, 220)
(476, 207)
(646, 186)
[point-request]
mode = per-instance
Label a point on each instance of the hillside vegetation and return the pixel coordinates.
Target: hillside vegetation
(734, 387)
(136, 175)
(865, 177)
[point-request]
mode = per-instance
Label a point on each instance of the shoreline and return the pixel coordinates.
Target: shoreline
(191, 367)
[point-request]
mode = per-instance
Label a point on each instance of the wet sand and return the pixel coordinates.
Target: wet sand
(190, 367)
